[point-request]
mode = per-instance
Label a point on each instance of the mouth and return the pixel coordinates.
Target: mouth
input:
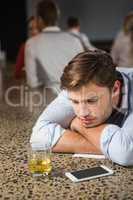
(87, 121)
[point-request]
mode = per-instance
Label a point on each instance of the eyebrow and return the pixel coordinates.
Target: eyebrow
(89, 98)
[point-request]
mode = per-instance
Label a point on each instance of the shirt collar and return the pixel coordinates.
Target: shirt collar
(51, 28)
(74, 31)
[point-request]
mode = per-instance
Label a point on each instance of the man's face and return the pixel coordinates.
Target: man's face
(92, 104)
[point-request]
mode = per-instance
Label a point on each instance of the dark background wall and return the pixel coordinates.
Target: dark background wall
(100, 19)
(12, 26)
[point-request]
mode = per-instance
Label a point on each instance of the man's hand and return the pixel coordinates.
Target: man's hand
(92, 134)
(76, 125)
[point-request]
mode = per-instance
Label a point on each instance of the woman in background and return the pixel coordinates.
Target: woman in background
(32, 31)
(122, 49)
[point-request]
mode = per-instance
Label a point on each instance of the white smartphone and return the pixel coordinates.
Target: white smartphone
(90, 173)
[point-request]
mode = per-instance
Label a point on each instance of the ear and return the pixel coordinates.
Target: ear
(116, 89)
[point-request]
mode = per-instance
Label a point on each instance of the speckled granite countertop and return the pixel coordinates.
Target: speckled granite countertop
(17, 184)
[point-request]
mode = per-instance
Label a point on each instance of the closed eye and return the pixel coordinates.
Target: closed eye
(74, 102)
(92, 100)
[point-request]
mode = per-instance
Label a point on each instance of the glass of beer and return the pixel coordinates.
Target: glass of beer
(39, 162)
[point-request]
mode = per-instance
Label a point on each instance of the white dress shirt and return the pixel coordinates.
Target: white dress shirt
(47, 54)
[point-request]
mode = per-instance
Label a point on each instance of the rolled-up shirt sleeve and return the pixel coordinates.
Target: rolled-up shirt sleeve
(117, 143)
(53, 121)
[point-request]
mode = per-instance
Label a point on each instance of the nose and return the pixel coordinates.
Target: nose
(83, 110)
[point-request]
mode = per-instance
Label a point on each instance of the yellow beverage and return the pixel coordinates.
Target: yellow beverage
(40, 166)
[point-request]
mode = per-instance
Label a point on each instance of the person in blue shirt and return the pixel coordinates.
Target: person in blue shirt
(94, 111)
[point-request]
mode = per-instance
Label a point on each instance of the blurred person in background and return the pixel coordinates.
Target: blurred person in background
(32, 31)
(47, 53)
(73, 25)
(122, 49)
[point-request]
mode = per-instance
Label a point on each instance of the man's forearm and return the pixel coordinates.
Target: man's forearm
(73, 142)
(93, 134)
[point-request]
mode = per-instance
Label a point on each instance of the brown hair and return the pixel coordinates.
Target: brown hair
(89, 66)
(73, 22)
(47, 10)
(128, 23)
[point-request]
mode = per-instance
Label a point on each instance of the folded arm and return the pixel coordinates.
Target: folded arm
(73, 142)
(54, 124)
(116, 143)
(92, 135)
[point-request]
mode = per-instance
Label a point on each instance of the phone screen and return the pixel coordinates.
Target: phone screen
(89, 172)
